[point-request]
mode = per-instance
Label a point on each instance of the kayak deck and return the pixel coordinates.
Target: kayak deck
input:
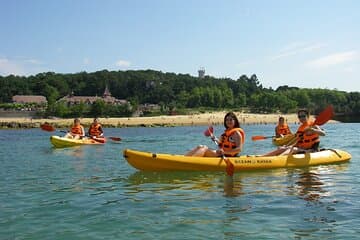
(147, 161)
(61, 142)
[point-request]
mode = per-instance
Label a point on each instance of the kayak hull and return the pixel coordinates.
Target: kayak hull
(281, 141)
(61, 142)
(147, 161)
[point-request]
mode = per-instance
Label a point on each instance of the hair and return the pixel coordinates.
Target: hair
(76, 120)
(304, 111)
(231, 114)
(281, 118)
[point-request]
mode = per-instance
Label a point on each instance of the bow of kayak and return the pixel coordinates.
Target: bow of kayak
(147, 161)
(61, 142)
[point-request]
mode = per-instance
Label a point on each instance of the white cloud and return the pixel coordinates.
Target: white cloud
(8, 67)
(86, 61)
(297, 48)
(333, 59)
(122, 63)
(19, 66)
(33, 61)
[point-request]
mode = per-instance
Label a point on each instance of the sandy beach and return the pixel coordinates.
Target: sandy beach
(212, 118)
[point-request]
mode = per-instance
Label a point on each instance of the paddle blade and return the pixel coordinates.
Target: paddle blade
(324, 116)
(256, 138)
(209, 131)
(118, 139)
(229, 167)
(47, 127)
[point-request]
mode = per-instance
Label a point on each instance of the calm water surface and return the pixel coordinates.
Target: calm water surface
(91, 192)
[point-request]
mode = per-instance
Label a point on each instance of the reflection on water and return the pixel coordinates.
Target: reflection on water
(314, 186)
(206, 182)
(310, 186)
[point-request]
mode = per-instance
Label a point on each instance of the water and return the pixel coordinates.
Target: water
(91, 192)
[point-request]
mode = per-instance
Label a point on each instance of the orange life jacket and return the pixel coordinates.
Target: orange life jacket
(94, 130)
(306, 141)
(226, 142)
(77, 130)
(282, 129)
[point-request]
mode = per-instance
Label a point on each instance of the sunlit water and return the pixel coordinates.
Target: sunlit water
(91, 192)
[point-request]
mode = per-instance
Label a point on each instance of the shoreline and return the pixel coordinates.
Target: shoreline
(214, 118)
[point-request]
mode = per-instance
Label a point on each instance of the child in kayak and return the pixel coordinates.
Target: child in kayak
(95, 129)
(76, 131)
(282, 129)
(230, 143)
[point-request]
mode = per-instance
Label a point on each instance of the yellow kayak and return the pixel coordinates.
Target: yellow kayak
(61, 142)
(148, 161)
(280, 141)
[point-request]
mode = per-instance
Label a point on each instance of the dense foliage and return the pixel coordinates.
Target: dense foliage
(174, 91)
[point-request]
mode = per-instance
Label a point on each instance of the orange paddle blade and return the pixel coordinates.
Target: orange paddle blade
(256, 138)
(209, 131)
(47, 127)
(229, 167)
(324, 116)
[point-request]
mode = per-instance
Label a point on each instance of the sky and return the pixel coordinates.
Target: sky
(306, 44)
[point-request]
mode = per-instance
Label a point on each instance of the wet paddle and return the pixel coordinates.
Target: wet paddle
(229, 165)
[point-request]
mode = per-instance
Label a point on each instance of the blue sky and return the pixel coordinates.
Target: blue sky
(312, 44)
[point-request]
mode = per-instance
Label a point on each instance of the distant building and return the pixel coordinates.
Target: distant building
(201, 72)
(35, 99)
(106, 97)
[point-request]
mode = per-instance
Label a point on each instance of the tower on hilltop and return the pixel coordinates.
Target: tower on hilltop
(201, 72)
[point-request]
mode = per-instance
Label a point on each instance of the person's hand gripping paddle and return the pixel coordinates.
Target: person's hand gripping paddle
(209, 132)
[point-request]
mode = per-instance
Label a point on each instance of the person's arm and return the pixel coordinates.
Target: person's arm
(83, 132)
(101, 131)
(315, 129)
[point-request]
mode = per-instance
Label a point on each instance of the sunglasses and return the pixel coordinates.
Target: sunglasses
(301, 116)
(229, 119)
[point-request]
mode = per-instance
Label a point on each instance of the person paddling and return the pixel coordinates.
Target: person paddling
(76, 131)
(230, 143)
(307, 137)
(95, 129)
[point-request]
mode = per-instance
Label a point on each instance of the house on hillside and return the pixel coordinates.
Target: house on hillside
(106, 97)
(24, 99)
(29, 102)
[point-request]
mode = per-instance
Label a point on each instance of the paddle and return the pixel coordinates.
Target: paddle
(49, 128)
(256, 138)
(324, 116)
(118, 139)
(229, 165)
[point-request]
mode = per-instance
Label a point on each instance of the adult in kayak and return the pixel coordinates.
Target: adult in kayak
(282, 128)
(76, 131)
(230, 143)
(307, 137)
(95, 129)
